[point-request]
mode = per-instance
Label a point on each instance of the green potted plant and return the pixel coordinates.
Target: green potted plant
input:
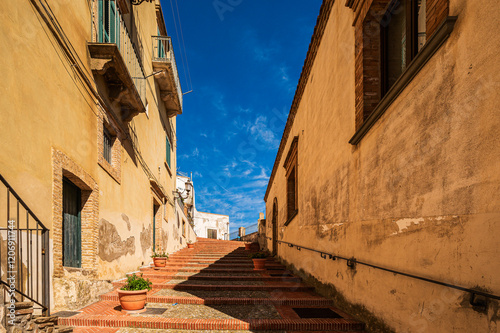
(133, 294)
(160, 259)
(259, 260)
(190, 244)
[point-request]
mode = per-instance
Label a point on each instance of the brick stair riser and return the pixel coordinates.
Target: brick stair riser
(205, 260)
(195, 287)
(206, 270)
(215, 324)
(229, 301)
(222, 278)
(220, 265)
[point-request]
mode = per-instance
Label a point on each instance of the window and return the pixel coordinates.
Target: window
(109, 22)
(394, 39)
(107, 145)
(402, 36)
(290, 166)
(169, 150)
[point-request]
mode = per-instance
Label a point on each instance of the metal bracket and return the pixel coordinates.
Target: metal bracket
(351, 263)
(332, 257)
(323, 255)
(478, 300)
(138, 2)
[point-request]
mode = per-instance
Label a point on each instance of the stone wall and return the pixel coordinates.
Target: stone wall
(21, 319)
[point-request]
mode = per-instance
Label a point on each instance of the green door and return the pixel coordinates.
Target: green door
(72, 226)
(156, 208)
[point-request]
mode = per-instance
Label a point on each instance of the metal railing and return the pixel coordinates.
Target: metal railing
(108, 27)
(352, 262)
(234, 235)
(164, 52)
(24, 251)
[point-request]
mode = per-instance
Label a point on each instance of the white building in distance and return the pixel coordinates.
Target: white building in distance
(207, 225)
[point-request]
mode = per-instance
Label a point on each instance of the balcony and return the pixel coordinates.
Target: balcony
(166, 75)
(115, 57)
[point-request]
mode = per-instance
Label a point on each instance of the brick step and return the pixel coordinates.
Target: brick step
(214, 324)
(210, 260)
(228, 287)
(311, 301)
(206, 270)
(245, 258)
(222, 277)
(196, 257)
(217, 265)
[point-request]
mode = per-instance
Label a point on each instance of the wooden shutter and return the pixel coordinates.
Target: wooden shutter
(72, 228)
(169, 148)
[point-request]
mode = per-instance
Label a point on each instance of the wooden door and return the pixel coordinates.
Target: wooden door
(275, 227)
(156, 208)
(72, 226)
(212, 233)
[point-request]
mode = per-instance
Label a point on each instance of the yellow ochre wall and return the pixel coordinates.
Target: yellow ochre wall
(47, 110)
(418, 194)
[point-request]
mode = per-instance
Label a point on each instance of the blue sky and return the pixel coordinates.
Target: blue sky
(245, 59)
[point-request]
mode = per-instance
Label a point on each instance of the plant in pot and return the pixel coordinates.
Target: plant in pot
(190, 244)
(132, 295)
(248, 246)
(259, 260)
(160, 259)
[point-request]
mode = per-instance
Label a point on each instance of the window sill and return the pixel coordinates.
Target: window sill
(168, 169)
(291, 217)
(433, 44)
(110, 170)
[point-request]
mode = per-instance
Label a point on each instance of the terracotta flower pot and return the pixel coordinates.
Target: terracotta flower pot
(132, 300)
(160, 261)
(259, 264)
(248, 246)
(190, 246)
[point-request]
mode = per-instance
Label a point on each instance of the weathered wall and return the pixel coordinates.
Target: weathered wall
(204, 221)
(418, 194)
(46, 111)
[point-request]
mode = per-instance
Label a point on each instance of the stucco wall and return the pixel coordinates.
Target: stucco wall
(204, 221)
(45, 107)
(418, 194)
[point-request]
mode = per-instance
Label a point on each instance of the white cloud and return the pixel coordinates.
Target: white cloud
(263, 175)
(263, 133)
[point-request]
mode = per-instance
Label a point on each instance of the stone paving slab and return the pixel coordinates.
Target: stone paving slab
(189, 311)
(216, 293)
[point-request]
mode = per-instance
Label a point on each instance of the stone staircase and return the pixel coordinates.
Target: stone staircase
(214, 288)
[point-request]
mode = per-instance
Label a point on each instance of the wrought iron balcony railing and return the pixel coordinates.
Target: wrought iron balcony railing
(109, 28)
(163, 52)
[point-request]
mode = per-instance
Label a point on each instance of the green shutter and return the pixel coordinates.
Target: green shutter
(100, 21)
(72, 227)
(169, 148)
(112, 21)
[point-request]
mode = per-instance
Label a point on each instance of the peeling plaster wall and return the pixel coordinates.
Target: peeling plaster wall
(418, 194)
(45, 108)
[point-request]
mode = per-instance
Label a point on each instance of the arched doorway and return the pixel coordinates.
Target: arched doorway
(275, 226)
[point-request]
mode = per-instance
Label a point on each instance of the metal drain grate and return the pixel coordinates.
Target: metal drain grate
(154, 311)
(316, 313)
